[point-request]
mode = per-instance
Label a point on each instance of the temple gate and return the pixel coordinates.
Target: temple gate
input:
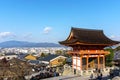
(88, 48)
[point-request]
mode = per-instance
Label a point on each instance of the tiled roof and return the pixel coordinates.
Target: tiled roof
(34, 61)
(10, 54)
(88, 36)
(22, 56)
(50, 57)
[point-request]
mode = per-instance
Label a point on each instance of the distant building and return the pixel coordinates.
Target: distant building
(53, 60)
(9, 56)
(22, 56)
(30, 57)
(34, 62)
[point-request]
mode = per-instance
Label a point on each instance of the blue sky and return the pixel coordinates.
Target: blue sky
(51, 20)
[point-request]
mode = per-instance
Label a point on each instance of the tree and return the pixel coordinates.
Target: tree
(117, 48)
(49, 54)
(43, 55)
(109, 57)
(58, 52)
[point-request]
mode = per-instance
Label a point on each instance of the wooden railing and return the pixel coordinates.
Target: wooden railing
(84, 67)
(88, 52)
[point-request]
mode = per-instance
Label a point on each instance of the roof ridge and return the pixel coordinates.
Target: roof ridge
(86, 29)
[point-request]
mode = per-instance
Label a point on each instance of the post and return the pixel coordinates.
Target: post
(76, 62)
(87, 63)
(72, 61)
(98, 62)
(103, 61)
(81, 62)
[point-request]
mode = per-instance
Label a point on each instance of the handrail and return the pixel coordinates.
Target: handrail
(89, 51)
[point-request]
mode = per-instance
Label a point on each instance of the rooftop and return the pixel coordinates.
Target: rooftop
(50, 57)
(87, 37)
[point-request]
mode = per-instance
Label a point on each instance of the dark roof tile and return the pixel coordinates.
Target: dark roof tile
(49, 57)
(88, 36)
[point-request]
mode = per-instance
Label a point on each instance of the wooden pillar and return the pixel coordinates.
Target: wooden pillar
(98, 61)
(87, 63)
(72, 60)
(81, 62)
(76, 61)
(103, 61)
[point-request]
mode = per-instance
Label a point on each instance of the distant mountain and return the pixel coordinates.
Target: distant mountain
(27, 44)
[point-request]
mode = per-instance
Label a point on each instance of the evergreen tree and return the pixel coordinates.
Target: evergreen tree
(43, 55)
(58, 52)
(109, 57)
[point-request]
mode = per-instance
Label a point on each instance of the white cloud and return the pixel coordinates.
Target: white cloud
(47, 30)
(115, 37)
(6, 34)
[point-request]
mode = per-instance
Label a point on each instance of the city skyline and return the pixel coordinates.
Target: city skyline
(51, 20)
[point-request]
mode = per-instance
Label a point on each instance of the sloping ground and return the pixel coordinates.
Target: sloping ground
(14, 69)
(67, 72)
